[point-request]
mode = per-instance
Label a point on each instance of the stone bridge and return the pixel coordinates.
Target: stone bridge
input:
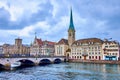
(35, 60)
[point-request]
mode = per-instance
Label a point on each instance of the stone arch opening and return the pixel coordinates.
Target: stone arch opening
(68, 51)
(2, 67)
(44, 62)
(57, 61)
(26, 63)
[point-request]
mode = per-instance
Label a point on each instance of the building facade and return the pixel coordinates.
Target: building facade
(1, 49)
(35, 48)
(61, 47)
(86, 49)
(42, 48)
(110, 50)
(17, 49)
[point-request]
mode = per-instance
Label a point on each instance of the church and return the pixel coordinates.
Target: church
(86, 49)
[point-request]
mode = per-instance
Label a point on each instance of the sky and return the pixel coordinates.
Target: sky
(50, 19)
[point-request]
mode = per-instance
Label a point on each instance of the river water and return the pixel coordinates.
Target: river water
(65, 71)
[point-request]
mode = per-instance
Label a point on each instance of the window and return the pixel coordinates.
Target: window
(80, 57)
(92, 48)
(98, 47)
(99, 58)
(61, 50)
(89, 47)
(113, 53)
(89, 57)
(89, 53)
(75, 57)
(106, 46)
(72, 57)
(96, 57)
(99, 52)
(95, 47)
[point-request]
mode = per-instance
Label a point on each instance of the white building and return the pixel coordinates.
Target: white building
(61, 47)
(87, 49)
(110, 50)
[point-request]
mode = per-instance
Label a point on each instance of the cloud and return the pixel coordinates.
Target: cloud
(50, 19)
(21, 14)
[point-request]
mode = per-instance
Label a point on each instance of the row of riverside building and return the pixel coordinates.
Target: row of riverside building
(86, 49)
(82, 49)
(37, 48)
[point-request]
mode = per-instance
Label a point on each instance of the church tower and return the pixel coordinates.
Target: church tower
(71, 31)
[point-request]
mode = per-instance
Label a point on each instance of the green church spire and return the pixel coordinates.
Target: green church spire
(71, 26)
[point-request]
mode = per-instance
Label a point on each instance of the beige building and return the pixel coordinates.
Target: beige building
(17, 49)
(36, 46)
(110, 50)
(42, 48)
(90, 49)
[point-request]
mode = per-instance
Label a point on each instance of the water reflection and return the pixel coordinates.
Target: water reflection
(96, 71)
(65, 71)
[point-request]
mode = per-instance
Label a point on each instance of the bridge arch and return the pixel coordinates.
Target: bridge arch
(1, 67)
(57, 60)
(26, 63)
(44, 62)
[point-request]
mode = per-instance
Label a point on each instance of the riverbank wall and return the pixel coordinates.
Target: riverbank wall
(95, 61)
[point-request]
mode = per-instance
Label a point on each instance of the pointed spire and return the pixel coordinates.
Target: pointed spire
(71, 26)
(35, 35)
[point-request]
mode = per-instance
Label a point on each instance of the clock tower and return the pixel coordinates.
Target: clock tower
(71, 31)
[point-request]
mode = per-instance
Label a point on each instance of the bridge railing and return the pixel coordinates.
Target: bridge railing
(29, 56)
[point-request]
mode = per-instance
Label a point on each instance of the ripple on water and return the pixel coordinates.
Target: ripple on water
(68, 71)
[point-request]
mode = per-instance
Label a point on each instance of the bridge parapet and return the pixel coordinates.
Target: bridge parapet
(36, 60)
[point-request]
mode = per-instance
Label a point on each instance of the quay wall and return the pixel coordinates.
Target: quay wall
(95, 61)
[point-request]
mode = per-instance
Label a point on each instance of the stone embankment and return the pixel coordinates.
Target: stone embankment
(96, 61)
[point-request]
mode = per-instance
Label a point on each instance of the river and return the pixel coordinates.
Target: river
(65, 71)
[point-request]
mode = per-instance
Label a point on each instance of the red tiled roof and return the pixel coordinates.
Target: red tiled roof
(39, 41)
(48, 42)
